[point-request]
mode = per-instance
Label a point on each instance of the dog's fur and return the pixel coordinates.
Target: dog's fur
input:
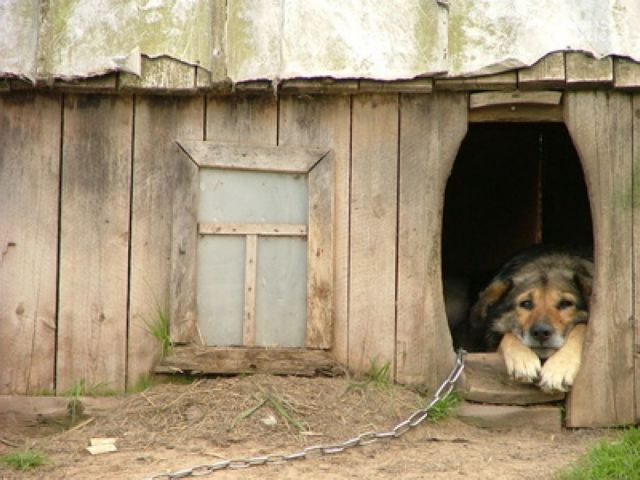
(539, 304)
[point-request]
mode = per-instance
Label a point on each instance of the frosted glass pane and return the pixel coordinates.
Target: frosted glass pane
(281, 293)
(221, 289)
(232, 196)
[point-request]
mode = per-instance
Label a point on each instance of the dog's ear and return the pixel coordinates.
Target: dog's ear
(491, 295)
(585, 285)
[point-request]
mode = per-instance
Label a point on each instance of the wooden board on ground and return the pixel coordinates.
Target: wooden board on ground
(16, 410)
(159, 121)
(231, 360)
(503, 417)
(94, 244)
(485, 380)
(600, 124)
(372, 303)
(29, 183)
(432, 128)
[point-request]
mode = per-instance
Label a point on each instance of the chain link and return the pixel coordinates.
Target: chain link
(366, 438)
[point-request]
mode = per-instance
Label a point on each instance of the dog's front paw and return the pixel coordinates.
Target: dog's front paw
(559, 372)
(522, 365)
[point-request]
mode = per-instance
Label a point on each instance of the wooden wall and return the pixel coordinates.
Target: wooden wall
(89, 228)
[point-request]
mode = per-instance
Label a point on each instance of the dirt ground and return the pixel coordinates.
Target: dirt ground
(171, 427)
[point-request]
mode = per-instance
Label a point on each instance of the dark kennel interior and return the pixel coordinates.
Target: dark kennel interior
(512, 186)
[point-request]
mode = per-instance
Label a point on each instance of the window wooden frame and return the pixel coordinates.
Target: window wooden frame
(317, 165)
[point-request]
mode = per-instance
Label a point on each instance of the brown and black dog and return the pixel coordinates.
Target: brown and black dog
(539, 303)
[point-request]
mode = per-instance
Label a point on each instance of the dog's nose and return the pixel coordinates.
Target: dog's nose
(541, 332)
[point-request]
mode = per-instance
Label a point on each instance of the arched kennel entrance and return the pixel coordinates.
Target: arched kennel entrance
(599, 125)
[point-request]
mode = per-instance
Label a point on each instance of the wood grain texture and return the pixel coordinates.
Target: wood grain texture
(432, 128)
(636, 246)
(230, 360)
(250, 270)
(517, 113)
(320, 247)
(583, 70)
(29, 179)
(516, 97)
(94, 244)
(161, 74)
(158, 122)
(499, 81)
(373, 231)
(326, 121)
(266, 229)
(253, 157)
(626, 73)
(546, 73)
(600, 125)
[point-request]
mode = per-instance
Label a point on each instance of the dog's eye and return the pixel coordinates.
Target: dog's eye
(564, 303)
(526, 304)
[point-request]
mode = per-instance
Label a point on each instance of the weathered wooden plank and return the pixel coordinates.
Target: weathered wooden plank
(319, 86)
(517, 113)
(636, 241)
(538, 418)
(432, 128)
(600, 124)
(417, 85)
(319, 330)
(161, 74)
(546, 73)
(585, 71)
(515, 97)
(373, 231)
(229, 360)
(500, 81)
(326, 121)
(94, 244)
(158, 122)
(266, 229)
(183, 308)
(102, 84)
(253, 157)
(626, 73)
(29, 184)
(26, 410)
(485, 380)
(250, 269)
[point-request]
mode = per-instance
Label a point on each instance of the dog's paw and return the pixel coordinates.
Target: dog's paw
(559, 372)
(523, 365)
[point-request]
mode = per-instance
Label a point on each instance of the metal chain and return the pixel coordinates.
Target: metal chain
(367, 438)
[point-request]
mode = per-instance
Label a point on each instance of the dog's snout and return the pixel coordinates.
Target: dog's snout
(541, 331)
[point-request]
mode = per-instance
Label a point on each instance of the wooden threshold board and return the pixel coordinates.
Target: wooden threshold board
(485, 380)
(199, 360)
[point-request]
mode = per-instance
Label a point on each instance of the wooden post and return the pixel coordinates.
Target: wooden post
(600, 124)
(432, 128)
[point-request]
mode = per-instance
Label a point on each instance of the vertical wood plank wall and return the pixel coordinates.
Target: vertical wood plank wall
(600, 124)
(92, 245)
(29, 178)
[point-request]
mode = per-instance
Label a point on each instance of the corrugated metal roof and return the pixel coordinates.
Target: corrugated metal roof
(281, 39)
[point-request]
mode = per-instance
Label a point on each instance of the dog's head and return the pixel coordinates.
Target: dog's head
(538, 299)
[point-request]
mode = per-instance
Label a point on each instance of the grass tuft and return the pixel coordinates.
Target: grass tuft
(25, 459)
(378, 376)
(159, 329)
(444, 407)
(617, 459)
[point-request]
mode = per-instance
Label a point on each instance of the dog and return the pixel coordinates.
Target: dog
(539, 304)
